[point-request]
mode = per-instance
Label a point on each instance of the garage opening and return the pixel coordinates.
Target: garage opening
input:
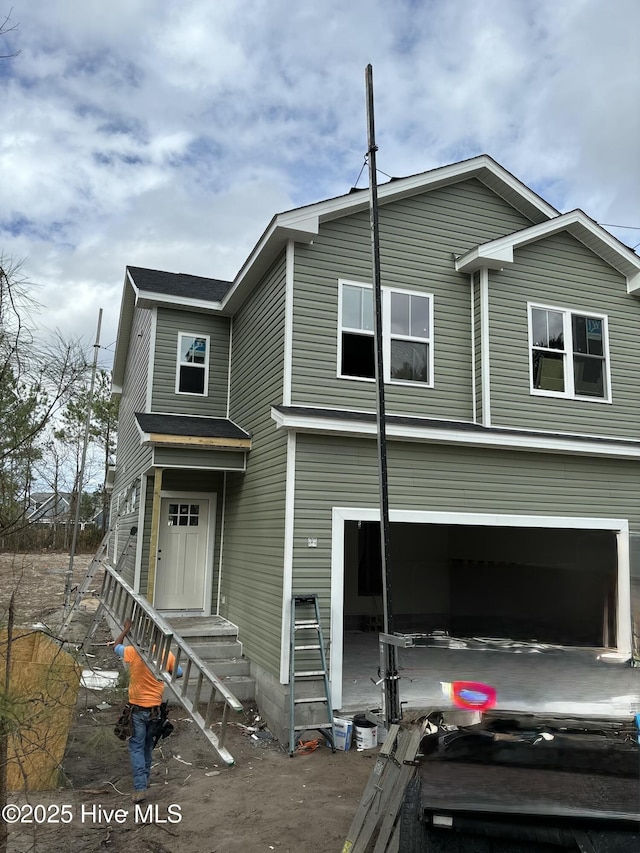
(544, 585)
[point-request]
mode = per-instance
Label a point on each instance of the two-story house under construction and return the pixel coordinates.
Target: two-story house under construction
(247, 422)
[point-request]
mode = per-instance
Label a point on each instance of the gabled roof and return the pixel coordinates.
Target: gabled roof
(147, 287)
(498, 253)
(303, 223)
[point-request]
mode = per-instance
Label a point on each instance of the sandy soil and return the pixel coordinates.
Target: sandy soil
(267, 801)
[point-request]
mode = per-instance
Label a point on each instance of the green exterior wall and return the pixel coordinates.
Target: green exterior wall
(209, 458)
(253, 551)
(561, 272)
(133, 460)
(164, 398)
(418, 238)
(336, 471)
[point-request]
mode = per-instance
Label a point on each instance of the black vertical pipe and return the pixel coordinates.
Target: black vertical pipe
(391, 704)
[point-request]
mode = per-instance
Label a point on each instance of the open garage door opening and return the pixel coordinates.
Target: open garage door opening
(543, 585)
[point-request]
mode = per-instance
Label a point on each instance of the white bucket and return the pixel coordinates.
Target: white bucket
(366, 733)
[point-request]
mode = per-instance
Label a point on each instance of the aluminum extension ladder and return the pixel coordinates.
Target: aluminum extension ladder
(306, 638)
(98, 559)
(154, 640)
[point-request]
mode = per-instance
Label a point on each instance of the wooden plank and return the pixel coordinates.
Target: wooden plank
(199, 441)
(372, 789)
(394, 844)
(382, 788)
(396, 796)
(155, 531)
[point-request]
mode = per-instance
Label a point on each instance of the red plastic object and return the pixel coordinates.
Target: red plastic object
(473, 695)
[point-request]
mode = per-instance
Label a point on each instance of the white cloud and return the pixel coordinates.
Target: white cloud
(168, 134)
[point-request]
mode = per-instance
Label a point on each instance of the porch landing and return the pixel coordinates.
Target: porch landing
(202, 626)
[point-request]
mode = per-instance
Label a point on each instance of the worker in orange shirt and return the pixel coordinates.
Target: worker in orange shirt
(145, 698)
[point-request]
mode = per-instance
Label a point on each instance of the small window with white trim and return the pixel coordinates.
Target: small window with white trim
(569, 353)
(407, 334)
(356, 335)
(192, 375)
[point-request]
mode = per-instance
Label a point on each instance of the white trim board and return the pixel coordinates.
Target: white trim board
(287, 579)
(339, 515)
(500, 439)
(288, 323)
(185, 497)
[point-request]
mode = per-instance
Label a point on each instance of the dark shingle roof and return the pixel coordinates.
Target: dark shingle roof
(179, 284)
(190, 426)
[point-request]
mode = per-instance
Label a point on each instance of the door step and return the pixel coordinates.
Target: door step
(215, 641)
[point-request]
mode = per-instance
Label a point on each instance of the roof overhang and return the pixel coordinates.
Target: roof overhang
(497, 254)
(195, 433)
(302, 225)
(424, 430)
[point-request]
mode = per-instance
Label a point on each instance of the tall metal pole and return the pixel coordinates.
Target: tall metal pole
(87, 427)
(390, 675)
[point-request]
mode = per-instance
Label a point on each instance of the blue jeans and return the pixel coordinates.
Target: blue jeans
(141, 748)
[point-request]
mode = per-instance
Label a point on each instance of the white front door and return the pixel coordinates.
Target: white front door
(181, 566)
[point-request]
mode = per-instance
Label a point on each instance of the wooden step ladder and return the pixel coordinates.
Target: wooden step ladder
(306, 638)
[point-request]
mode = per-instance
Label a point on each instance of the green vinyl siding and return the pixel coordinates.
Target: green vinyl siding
(170, 323)
(333, 471)
(559, 271)
(187, 481)
(210, 458)
(132, 459)
(253, 550)
(419, 237)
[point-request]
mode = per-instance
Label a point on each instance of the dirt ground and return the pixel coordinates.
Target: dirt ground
(266, 801)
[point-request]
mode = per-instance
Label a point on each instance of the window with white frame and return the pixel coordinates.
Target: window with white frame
(407, 319)
(569, 353)
(356, 338)
(192, 375)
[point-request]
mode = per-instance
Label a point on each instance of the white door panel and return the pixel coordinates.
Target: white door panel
(182, 554)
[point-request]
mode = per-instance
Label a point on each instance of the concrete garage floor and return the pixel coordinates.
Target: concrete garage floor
(564, 681)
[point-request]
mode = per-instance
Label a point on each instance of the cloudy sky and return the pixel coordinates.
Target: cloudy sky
(166, 134)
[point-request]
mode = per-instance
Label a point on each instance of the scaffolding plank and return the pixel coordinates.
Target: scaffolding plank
(365, 818)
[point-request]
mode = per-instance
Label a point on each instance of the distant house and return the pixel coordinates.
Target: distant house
(247, 421)
(49, 507)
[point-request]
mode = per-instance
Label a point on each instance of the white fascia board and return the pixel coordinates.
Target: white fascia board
(147, 298)
(145, 437)
(481, 258)
(125, 321)
(450, 435)
(433, 179)
(282, 228)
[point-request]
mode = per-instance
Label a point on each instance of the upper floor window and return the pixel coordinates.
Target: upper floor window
(192, 375)
(407, 320)
(569, 353)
